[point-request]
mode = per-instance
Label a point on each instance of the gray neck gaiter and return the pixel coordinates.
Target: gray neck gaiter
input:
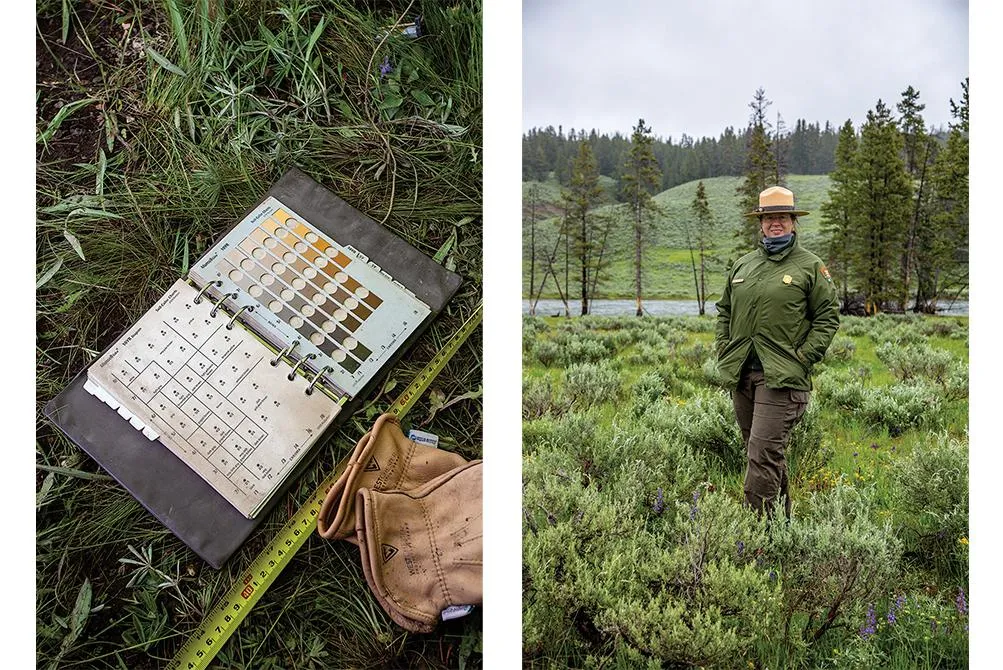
(775, 244)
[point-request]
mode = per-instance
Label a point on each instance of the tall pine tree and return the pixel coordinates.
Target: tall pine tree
(839, 211)
(704, 223)
(883, 201)
(641, 176)
(947, 243)
(918, 155)
(582, 197)
(760, 169)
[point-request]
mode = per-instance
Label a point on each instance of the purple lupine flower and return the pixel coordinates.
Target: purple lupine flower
(960, 602)
(854, 454)
(693, 507)
(741, 547)
(659, 505)
(386, 68)
(895, 609)
(874, 445)
(773, 575)
(870, 625)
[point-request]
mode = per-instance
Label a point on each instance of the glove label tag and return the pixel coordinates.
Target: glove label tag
(456, 611)
(423, 438)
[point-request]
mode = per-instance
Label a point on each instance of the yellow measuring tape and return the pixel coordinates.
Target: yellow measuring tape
(227, 614)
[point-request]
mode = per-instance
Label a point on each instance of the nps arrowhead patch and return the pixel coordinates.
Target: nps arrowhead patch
(825, 273)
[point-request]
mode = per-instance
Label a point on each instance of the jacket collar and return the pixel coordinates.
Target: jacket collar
(780, 255)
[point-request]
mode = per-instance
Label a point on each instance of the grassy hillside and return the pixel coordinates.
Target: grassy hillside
(667, 270)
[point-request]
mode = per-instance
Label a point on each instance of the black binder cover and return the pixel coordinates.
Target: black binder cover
(168, 488)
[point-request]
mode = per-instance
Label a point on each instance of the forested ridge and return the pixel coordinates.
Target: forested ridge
(892, 225)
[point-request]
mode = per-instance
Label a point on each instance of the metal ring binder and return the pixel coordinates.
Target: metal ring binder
(308, 357)
(285, 352)
(229, 326)
(198, 297)
(215, 308)
(326, 368)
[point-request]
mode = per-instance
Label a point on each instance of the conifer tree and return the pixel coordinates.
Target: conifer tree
(918, 154)
(760, 169)
(641, 177)
(947, 243)
(838, 212)
(534, 201)
(583, 195)
(704, 223)
(883, 201)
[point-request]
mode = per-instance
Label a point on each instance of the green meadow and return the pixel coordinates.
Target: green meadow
(638, 551)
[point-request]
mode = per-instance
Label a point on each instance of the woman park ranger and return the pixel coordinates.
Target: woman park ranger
(777, 315)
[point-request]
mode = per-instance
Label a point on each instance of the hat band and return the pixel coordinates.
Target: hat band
(776, 208)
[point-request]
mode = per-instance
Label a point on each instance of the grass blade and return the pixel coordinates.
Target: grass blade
(164, 63)
(75, 243)
(63, 113)
(78, 618)
(49, 274)
(178, 27)
(71, 472)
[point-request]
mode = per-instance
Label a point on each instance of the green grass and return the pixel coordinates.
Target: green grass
(568, 471)
(157, 126)
(666, 271)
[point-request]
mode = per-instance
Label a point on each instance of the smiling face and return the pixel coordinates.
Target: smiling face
(775, 225)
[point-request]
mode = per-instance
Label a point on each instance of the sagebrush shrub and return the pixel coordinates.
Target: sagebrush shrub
(706, 423)
(839, 389)
(695, 354)
(539, 398)
(902, 406)
(646, 355)
(805, 453)
(899, 333)
(842, 349)
(831, 556)
(547, 352)
(591, 383)
(584, 349)
(911, 361)
(646, 391)
(931, 496)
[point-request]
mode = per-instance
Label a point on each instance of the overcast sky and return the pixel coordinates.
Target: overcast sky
(693, 67)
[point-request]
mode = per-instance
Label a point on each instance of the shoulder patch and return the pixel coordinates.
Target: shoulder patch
(825, 272)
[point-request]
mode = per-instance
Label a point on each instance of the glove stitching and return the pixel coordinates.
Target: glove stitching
(435, 553)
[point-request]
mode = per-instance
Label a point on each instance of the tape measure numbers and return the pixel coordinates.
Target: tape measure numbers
(229, 612)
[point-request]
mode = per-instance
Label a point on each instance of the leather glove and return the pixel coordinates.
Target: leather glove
(422, 549)
(383, 459)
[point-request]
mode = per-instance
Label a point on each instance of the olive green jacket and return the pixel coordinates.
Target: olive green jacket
(783, 303)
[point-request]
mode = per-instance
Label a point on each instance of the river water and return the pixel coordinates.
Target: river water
(664, 308)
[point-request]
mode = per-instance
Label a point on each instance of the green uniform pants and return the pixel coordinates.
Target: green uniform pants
(766, 417)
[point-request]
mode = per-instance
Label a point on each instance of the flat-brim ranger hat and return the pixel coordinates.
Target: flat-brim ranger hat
(776, 200)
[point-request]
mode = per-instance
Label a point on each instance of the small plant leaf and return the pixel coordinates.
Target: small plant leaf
(164, 63)
(392, 101)
(49, 274)
(75, 243)
(78, 618)
(423, 98)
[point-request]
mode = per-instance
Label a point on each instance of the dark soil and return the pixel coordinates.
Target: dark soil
(68, 72)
